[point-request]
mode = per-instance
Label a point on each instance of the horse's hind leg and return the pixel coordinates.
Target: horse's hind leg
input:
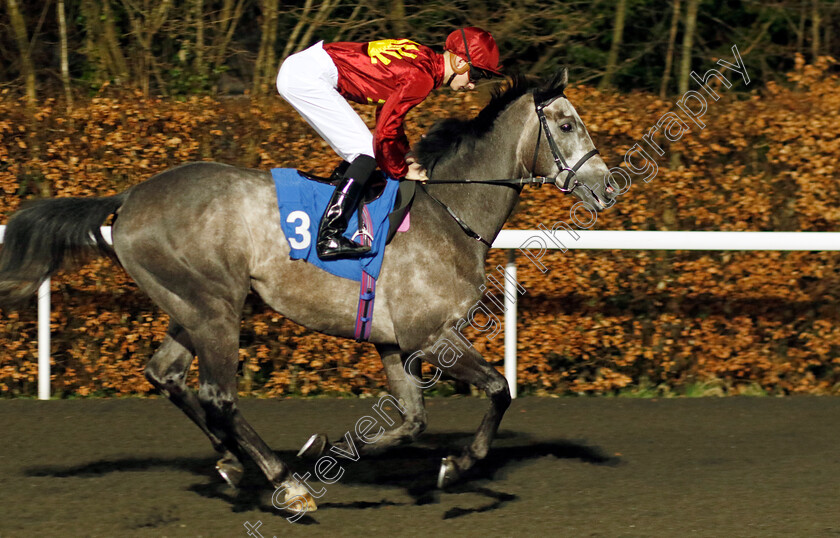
(411, 408)
(167, 371)
(472, 368)
(216, 341)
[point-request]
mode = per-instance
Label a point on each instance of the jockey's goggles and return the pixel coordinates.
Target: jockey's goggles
(477, 73)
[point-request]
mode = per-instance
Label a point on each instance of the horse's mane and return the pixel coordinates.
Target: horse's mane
(449, 134)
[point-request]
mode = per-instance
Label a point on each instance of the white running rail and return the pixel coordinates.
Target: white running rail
(514, 239)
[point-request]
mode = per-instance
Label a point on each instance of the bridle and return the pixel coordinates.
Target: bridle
(569, 184)
(559, 161)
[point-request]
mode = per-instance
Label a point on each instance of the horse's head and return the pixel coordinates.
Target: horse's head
(561, 147)
(522, 133)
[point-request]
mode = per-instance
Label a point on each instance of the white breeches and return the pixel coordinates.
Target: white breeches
(308, 81)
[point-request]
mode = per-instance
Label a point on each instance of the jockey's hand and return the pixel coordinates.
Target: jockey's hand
(416, 172)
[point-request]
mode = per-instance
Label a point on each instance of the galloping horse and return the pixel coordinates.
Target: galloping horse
(197, 238)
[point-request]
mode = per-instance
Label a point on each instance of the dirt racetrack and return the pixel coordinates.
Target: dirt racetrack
(560, 467)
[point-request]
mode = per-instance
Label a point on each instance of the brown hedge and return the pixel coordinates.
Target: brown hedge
(598, 322)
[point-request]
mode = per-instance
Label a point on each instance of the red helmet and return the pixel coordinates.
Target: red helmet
(476, 46)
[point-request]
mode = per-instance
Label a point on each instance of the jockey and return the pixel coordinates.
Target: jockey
(392, 74)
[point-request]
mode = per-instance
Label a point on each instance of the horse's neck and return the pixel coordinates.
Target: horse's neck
(485, 208)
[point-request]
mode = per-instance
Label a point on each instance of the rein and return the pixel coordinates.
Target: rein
(532, 180)
(536, 181)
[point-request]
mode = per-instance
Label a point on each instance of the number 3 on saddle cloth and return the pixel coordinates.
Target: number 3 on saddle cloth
(302, 200)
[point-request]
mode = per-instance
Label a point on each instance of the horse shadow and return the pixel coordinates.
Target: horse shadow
(412, 469)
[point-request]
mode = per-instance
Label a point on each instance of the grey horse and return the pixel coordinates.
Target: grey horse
(197, 238)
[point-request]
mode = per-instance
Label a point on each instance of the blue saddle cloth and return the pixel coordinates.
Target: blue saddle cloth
(303, 201)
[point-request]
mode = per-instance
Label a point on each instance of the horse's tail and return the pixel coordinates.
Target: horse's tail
(45, 233)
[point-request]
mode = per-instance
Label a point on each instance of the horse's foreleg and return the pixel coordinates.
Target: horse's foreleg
(472, 368)
(409, 395)
(412, 410)
(167, 372)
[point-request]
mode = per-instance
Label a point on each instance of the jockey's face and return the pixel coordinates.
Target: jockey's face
(462, 83)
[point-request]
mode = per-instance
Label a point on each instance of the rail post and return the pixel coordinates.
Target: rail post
(511, 300)
(44, 340)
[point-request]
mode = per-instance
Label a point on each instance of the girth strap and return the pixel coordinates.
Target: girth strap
(367, 293)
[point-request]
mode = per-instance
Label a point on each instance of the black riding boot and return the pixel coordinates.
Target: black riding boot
(331, 244)
(339, 171)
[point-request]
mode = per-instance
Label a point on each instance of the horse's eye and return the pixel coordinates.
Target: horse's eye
(566, 127)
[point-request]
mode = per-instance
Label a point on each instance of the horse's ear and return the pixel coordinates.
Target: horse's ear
(555, 87)
(561, 79)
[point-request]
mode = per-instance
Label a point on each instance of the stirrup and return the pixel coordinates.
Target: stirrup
(363, 233)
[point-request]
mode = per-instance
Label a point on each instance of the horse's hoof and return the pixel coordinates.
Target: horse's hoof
(448, 473)
(297, 500)
(231, 470)
(315, 447)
